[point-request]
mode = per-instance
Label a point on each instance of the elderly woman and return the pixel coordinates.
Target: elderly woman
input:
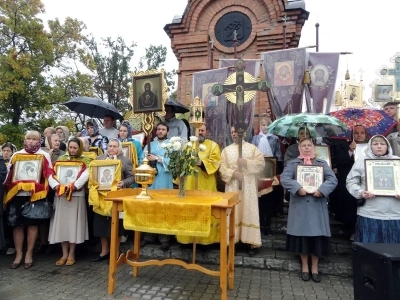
(7, 150)
(378, 219)
(102, 224)
(125, 135)
(17, 194)
(3, 173)
(69, 224)
(293, 150)
(95, 138)
(54, 153)
(308, 231)
(342, 203)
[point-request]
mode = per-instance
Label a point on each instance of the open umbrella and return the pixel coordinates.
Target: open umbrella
(375, 121)
(92, 107)
(179, 108)
(319, 125)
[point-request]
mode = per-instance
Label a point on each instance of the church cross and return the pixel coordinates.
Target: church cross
(238, 88)
(396, 73)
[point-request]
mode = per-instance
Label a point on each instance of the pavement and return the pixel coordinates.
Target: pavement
(88, 281)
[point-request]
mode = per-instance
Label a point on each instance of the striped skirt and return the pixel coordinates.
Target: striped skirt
(370, 230)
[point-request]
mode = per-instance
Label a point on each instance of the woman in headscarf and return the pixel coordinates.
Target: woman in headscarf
(102, 224)
(63, 133)
(293, 150)
(308, 231)
(342, 203)
(378, 219)
(7, 150)
(18, 192)
(3, 173)
(95, 138)
(69, 225)
(54, 153)
(125, 135)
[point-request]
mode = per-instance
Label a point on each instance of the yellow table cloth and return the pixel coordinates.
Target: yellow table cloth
(169, 214)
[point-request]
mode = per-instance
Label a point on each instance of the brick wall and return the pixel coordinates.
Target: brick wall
(190, 38)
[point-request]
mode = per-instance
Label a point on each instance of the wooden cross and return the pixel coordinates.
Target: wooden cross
(239, 88)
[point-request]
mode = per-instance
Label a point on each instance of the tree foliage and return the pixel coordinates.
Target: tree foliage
(111, 70)
(28, 55)
(155, 59)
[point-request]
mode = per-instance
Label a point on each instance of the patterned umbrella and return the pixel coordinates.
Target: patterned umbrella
(318, 125)
(375, 121)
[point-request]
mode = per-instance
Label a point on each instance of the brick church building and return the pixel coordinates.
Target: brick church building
(207, 26)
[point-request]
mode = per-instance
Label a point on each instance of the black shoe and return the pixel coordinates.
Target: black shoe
(253, 251)
(316, 277)
(305, 276)
(164, 246)
(267, 231)
(40, 249)
(101, 258)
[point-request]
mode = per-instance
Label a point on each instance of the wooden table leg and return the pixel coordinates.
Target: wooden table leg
(223, 256)
(136, 253)
(231, 254)
(114, 247)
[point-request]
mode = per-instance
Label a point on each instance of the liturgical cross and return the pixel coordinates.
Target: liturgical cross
(239, 88)
(395, 72)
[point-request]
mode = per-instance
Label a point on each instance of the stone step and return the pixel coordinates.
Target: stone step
(340, 265)
(340, 246)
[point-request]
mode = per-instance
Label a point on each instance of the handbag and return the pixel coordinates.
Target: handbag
(39, 210)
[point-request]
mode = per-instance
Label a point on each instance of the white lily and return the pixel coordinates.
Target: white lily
(202, 147)
(193, 138)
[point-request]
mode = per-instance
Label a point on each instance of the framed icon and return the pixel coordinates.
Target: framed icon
(28, 168)
(382, 176)
(147, 93)
(269, 171)
(105, 174)
(310, 177)
(323, 152)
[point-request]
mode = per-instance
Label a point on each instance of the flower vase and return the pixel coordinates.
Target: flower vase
(182, 187)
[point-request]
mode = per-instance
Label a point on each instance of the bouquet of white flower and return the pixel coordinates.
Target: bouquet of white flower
(182, 156)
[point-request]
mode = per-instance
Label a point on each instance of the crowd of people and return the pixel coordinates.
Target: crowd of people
(342, 191)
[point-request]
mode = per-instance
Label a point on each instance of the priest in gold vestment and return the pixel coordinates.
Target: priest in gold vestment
(208, 165)
(247, 223)
(210, 160)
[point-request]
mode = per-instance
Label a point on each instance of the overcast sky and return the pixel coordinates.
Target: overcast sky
(366, 28)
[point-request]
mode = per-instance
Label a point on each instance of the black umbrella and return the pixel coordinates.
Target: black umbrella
(179, 108)
(92, 107)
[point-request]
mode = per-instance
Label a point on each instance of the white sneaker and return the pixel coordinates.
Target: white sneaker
(123, 239)
(352, 237)
(10, 251)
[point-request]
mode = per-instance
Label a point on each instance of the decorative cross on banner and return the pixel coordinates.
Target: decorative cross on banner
(395, 72)
(239, 88)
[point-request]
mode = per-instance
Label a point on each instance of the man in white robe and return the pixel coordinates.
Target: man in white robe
(247, 221)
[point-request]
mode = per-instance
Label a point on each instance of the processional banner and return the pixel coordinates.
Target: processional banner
(252, 67)
(323, 71)
(285, 71)
(215, 106)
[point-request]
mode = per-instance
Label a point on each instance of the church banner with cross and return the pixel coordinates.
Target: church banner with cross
(285, 71)
(323, 71)
(215, 106)
(252, 67)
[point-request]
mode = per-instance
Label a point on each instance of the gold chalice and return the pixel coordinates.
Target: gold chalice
(144, 175)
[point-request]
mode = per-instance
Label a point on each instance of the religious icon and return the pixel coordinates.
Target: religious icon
(284, 73)
(264, 85)
(147, 93)
(382, 92)
(319, 75)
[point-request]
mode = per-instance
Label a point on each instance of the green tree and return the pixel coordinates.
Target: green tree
(111, 71)
(29, 54)
(155, 59)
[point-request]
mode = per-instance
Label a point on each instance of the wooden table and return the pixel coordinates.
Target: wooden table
(220, 210)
